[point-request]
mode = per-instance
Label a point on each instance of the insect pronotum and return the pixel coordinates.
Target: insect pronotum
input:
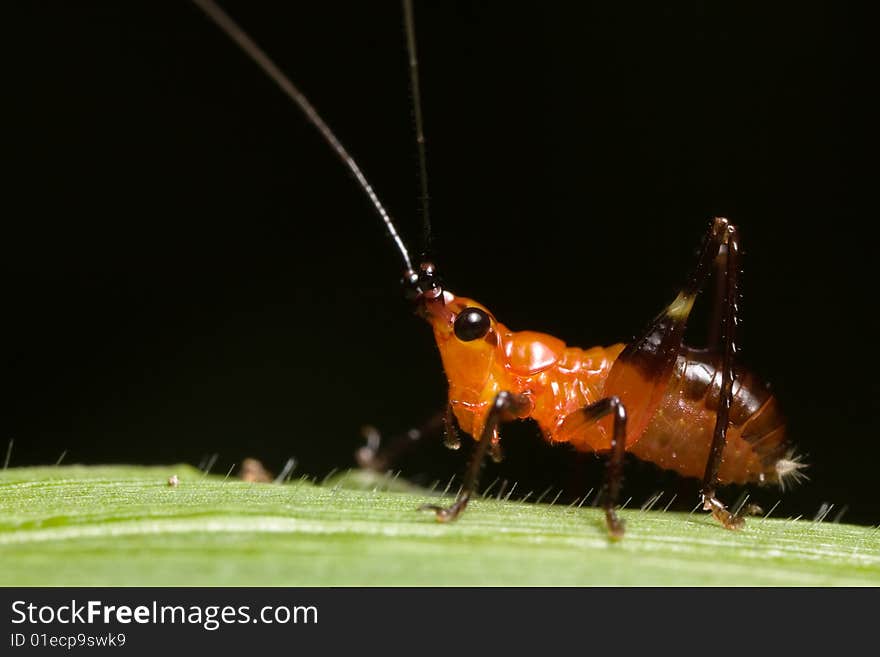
(689, 410)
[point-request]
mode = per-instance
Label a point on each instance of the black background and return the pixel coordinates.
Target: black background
(188, 269)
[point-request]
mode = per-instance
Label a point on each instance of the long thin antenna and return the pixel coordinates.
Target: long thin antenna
(409, 22)
(252, 50)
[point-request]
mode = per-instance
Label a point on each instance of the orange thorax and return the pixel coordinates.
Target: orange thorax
(558, 379)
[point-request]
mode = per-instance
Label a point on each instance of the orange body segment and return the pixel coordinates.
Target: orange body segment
(558, 380)
(680, 431)
(670, 421)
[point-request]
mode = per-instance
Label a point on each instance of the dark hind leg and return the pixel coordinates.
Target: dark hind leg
(641, 372)
(507, 406)
(726, 303)
(614, 466)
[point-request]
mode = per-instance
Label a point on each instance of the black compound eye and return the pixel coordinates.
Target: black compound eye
(472, 324)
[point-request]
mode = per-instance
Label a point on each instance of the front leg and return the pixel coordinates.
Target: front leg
(381, 458)
(507, 406)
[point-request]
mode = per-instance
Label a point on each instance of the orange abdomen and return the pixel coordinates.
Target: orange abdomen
(679, 434)
(674, 427)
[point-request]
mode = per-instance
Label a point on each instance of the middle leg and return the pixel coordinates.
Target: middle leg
(614, 466)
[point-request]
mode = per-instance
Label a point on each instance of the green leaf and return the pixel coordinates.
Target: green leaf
(125, 525)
